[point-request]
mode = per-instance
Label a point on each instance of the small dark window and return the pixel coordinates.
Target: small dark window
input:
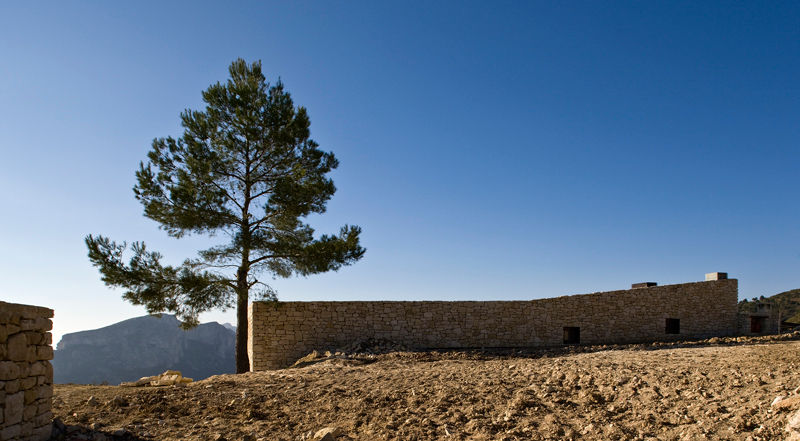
(757, 324)
(673, 326)
(572, 335)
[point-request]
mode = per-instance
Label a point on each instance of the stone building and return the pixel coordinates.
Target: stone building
(764, 320)
(281, 332)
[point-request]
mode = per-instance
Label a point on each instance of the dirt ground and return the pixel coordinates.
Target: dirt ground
(715, 389)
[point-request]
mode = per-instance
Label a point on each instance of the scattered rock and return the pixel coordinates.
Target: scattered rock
(118, 402)
(793, 427)
(168, 378)
(327, 434)
(786, 403)
(92, 401)
(372, 346)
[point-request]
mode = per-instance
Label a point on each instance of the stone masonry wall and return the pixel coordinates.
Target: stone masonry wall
(770, 322)
(281, 332)
(26, 375)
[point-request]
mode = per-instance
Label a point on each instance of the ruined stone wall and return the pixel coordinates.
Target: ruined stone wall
(26, 375)
(281, 332)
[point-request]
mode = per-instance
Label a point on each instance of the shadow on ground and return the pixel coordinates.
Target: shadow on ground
(504, 353)
(80, 432)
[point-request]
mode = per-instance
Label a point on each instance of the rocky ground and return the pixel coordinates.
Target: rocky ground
(727, 389)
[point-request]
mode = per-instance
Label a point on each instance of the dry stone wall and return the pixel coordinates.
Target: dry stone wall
(281, 332)
(764, 320)
(26, 375)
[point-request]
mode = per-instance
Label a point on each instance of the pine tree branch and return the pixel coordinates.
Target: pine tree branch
(227, 195)
(273, 256)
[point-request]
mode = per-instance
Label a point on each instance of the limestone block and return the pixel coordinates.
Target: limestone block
(44, 352)
(15, 404)
(17, 347)
(37, 368)
(12, 386)
(42, 433)
(27, 383)
(43, 418)
(24, 368)
(32, 395)
(10, 432)
(32, 356)
(34, 338)
(28, 413)
(26, 429)
(44, 324)
(45, 391)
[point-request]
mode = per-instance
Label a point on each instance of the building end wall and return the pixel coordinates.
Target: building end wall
(26, 375)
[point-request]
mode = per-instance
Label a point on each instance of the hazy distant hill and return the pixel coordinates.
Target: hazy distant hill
(143, 346)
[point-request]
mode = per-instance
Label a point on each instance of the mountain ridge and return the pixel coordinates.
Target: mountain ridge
(143, 346)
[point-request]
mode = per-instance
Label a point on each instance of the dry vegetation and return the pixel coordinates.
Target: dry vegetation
(715, 389)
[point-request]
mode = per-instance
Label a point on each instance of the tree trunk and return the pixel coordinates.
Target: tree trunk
(242, 359)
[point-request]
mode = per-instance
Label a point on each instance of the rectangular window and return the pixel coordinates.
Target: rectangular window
(757, 324)
(673, 326)
(572, 335)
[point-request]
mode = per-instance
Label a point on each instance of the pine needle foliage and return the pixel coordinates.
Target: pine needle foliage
(247, 168)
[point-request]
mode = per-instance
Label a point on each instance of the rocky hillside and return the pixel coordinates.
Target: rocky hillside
(143, 346)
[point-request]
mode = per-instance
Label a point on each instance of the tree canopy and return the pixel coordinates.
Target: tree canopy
(247, 168)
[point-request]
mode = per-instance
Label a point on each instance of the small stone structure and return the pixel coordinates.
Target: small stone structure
(764, 320)
(26, 375)
(282, 332)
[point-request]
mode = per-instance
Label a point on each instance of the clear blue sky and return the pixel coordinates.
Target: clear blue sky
(489, 150)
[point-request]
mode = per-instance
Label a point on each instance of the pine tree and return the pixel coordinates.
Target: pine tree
(245, 167)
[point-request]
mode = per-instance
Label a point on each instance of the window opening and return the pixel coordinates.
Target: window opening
(673, 326)
(572, 335)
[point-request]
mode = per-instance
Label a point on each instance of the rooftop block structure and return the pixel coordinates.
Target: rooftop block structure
(282, 332)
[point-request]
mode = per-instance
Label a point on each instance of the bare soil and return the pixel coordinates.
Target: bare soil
(718, 389)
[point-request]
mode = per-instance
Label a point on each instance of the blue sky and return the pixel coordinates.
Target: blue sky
(489, 150)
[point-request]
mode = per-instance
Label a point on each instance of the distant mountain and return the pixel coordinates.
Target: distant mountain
(143, 346)
(229, 326)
